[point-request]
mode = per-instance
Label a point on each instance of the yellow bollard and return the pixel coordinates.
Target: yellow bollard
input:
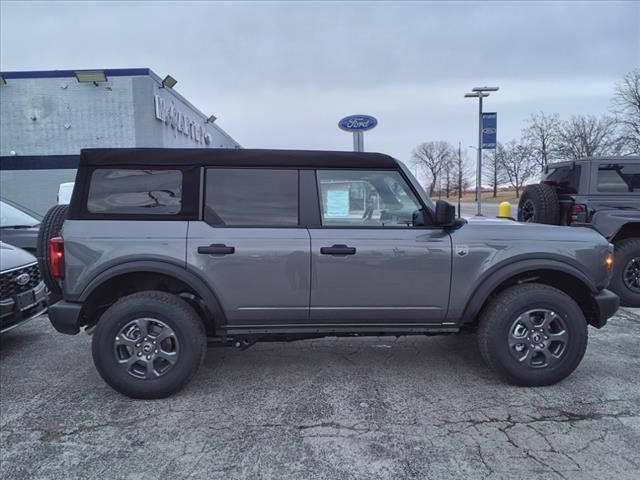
(504, 210)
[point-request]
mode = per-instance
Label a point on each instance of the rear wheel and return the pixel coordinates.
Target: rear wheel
(533, 335)
(539, 203)
(626, 272)
(148, 344)
(50, 227)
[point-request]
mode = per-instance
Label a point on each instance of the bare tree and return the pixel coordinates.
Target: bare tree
(493, 171)
(432, 157)
(626, 110)
(587, 136)
(462, 172)
(448, 175)
(518, 163)
(542, 136)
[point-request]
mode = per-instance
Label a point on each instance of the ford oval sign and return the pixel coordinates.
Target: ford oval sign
(357, 123)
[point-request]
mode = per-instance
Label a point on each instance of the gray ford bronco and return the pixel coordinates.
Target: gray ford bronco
(164, 251)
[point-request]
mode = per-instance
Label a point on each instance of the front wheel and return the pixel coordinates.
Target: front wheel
(148, 344)
(626, 272)
(533, 335)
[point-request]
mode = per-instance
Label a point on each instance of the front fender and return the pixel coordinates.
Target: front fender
(488, 283)
(609, 222)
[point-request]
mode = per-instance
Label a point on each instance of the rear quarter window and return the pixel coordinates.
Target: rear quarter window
(135, 192)
(565, 179)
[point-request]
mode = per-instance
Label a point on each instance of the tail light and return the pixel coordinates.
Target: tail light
(578, 213)
(56, 257)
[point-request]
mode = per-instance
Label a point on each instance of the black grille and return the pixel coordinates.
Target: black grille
(9, 287)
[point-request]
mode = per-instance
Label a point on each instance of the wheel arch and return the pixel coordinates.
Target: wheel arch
(628, 230)
(553, 273)
(141, 275)
(616, 225)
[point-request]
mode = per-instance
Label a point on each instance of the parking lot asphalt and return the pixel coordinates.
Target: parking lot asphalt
(413, 407)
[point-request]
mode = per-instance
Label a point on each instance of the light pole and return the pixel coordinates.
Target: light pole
(480, 93)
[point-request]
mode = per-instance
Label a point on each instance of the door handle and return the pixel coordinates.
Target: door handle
(216, 249)
(338, 250)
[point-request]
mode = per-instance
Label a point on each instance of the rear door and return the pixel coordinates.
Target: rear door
(370, 265)
(250, 248)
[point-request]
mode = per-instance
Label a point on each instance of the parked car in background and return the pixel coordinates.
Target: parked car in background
(19, 226)
(23, 295)
(64, 193)
(603, 194)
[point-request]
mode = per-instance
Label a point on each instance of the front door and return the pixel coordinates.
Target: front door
(370, 265)
(249, 247)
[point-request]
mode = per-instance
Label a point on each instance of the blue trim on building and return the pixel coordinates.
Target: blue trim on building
(113, 72)
(40, 162)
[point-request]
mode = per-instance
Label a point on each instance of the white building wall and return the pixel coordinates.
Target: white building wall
(60, 116)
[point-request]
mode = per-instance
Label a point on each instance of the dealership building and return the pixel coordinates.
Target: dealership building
(47, 117)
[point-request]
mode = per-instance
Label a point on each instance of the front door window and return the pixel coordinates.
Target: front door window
(361, 198)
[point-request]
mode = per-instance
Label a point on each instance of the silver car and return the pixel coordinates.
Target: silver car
(23, 295)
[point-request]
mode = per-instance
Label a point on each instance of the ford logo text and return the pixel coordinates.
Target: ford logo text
(357, 123)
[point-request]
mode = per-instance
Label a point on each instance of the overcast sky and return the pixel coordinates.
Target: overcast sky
(281, 75)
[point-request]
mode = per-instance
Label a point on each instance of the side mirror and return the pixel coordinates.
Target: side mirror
(445, 214)
(417, 218)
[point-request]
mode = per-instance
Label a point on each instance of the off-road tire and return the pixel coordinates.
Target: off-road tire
(543, 201)
(496, 326)
(50, 227)
(172, 311)
(626, 251)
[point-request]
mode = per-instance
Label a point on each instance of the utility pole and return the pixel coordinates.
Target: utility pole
(480, 93)
(459, 178)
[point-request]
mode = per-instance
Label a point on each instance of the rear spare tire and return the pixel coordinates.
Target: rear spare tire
(539, 203)
(50, 227)
(625, 281)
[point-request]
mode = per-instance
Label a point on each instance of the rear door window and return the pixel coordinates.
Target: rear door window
(135, 192)
(619, 178)
(251, 197)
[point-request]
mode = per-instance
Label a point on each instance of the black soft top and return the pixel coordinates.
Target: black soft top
(234, 157)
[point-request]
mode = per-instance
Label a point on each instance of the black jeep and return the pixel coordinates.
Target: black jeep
(603, 193)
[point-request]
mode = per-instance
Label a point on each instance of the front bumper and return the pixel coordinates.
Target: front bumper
(606, 304)
(15, 311)
(65, 317)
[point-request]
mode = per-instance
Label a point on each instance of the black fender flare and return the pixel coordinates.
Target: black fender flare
(610, 222)
(492, 279)
(176, 271)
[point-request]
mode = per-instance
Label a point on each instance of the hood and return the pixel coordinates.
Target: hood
(499, 228)
(12, 257)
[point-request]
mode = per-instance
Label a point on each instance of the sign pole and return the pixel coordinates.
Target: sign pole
(358, 141)
(479, 166)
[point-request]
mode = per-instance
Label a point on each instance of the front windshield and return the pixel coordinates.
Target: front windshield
(10, 216)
